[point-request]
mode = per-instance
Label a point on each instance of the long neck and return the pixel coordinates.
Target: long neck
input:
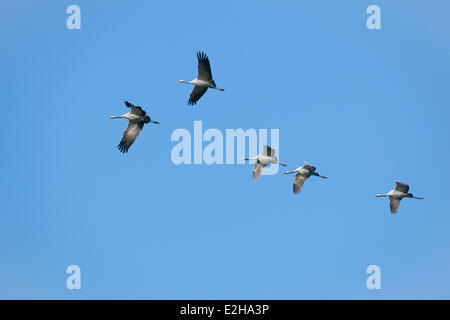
(381, 195)
(126, 116)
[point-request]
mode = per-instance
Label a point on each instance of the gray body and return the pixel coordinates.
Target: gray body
(266, 157)
(397, 194)
(203, 81)
(302, 174)
(136, 120)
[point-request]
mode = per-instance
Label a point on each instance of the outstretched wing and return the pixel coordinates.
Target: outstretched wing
(196, 94)
(299, 180)
(204, 67)
(402, 187)
(135, 109)
(394, 202)
(129, 135)
(268, 151)
(257, 168)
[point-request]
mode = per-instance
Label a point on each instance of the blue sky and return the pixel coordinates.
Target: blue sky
(366, 107)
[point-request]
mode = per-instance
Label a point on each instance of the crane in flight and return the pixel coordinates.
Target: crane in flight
(136, 120)
(396, 195)
(203, 81)
(302, 174)
(262, 160)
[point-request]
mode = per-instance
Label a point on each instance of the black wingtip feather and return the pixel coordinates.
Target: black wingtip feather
(128, 104)
(201, 56)
(122, 147)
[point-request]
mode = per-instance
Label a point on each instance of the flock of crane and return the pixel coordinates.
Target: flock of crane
(137, 117)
